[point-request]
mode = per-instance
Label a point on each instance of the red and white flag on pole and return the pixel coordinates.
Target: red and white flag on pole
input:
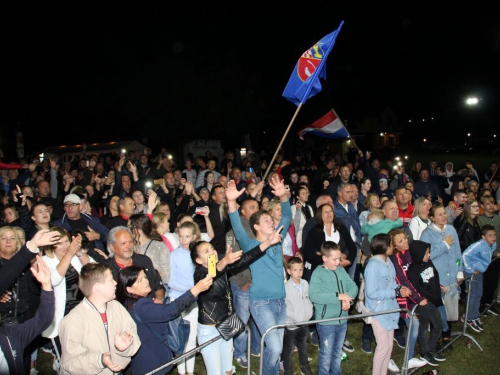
(329, 126)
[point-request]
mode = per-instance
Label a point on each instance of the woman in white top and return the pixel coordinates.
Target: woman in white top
(420, 219)
(65, 260)
(301, 212)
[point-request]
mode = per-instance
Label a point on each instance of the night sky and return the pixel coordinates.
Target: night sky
(163, 75)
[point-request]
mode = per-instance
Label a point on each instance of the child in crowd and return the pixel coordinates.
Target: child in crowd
(181, 280)
(378, 224)
(476, 259)
(425, 279)
(298, 309)
(332, 292)
(381, 291)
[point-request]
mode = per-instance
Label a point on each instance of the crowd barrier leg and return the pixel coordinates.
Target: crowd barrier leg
(249, 348)
(463, 332)
(404, 371)
(184, 355)
(404, 368)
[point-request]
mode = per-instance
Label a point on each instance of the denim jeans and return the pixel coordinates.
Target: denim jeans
(298, 335)
(429, 313)
(218, 356)
(241, 300)
(413, 335)
(331, 340)
(267, 313)
(476, 292)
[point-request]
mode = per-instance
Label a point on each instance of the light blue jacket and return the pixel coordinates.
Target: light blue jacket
(446, 259)
(477, 257)
(380, 291)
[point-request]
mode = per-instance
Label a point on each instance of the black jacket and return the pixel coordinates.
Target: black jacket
(214, 304)
(14, 339)
(315, 239)
(467, 233)
(424, 276)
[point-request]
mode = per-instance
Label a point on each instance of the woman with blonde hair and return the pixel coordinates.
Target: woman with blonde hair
(161, 225)
(289, 243)
(372, 201)
(420, 219)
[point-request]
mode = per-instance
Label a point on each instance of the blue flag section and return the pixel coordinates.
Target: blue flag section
(304, 81)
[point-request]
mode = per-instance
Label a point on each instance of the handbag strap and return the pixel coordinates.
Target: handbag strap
(136, 316)
(147, 247)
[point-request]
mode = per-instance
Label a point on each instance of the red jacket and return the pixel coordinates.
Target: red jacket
(407, 215)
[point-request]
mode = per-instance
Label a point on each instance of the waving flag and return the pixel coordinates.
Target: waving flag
(328, 126)
(304, 81)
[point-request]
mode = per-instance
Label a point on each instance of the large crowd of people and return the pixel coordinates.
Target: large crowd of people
(98, 252)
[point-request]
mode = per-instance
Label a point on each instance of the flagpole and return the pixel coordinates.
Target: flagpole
(282, 140)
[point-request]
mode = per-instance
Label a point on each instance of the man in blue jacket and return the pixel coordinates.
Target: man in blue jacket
(73, 219)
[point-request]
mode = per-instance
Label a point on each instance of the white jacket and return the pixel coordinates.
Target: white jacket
(59, 285)
(417, 226)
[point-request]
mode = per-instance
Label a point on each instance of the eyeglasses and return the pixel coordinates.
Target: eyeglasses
(72, 205)
(474, 206)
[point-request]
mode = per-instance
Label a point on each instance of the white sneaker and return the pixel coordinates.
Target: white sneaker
(416, 363)
(393, 367)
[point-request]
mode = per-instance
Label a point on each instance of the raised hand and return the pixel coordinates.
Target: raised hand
(278, 187)
(152, 198)
(188, 188)
(123, 340)
(75, 245)
(275, 237)
(45, 237)
(231, 192)
(230, 256)
(42, 273)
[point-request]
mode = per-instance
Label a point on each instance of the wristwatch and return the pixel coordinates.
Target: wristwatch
(82, 253)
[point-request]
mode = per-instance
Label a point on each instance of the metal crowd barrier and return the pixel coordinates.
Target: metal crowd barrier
(184, 355)
(404, 369)
(463, 332)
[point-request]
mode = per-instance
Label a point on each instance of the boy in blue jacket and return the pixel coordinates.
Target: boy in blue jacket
(476, 259)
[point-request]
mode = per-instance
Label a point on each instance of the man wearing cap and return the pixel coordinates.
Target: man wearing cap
(473, 187)
(383, 189)
(74, 218)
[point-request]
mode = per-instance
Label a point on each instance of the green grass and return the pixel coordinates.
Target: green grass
(461, 361)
